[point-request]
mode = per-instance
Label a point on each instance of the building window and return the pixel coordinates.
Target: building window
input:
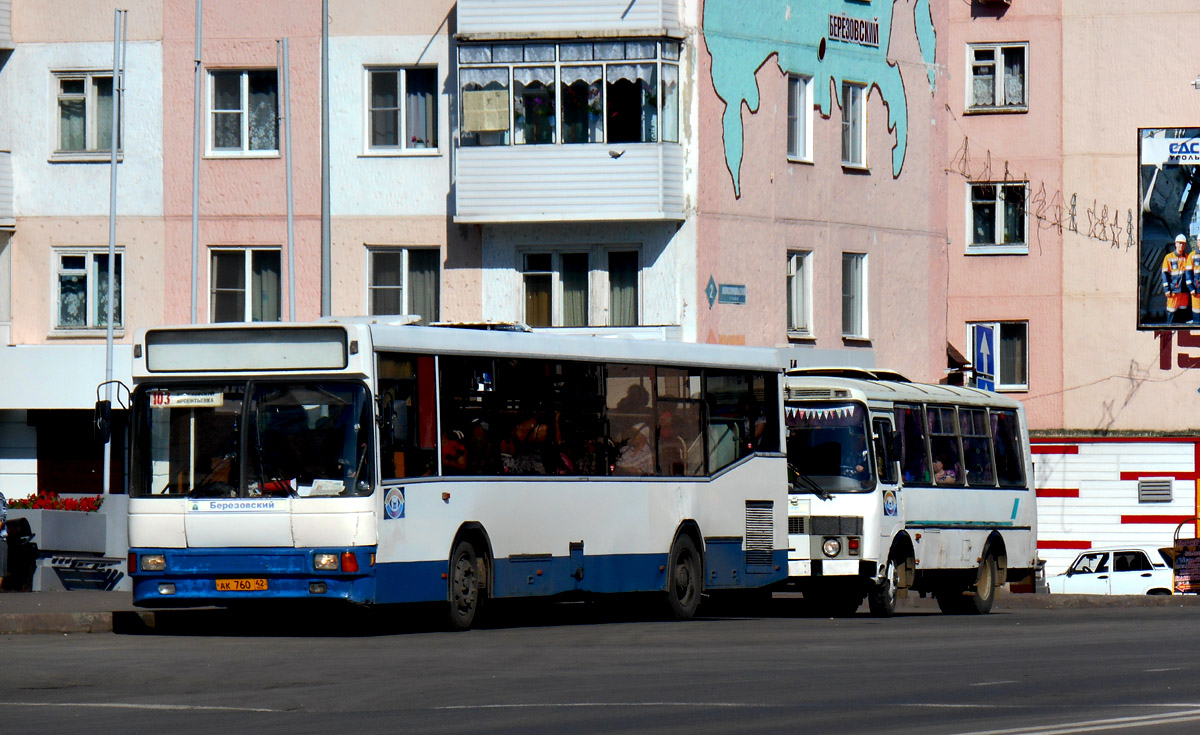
(854, 125)
(1011, 359)
(854, 295)
(85, 112)
(799, 116)
(560, 287)
(799, 292)
(403, 109)
(245, 285)
(243, 112)
(82, 289)
(997, 76)
(998, 217)
(609, 91)
(405, 281)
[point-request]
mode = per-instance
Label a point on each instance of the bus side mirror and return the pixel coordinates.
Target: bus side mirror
(102, 421)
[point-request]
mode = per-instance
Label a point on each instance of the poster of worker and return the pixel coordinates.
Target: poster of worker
(1168, 226)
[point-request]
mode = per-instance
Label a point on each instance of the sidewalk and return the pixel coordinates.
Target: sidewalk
(106, 612)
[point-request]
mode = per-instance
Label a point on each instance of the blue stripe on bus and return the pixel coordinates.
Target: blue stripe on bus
(288, 572)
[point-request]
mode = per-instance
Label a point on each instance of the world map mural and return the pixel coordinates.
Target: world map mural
(827, 40)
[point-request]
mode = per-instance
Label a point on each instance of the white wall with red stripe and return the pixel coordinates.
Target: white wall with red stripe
(1087, 492)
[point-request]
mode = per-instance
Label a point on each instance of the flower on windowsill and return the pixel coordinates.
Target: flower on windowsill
(416, 142)
(51, 501)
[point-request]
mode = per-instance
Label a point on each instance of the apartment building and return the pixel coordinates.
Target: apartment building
(657, 169)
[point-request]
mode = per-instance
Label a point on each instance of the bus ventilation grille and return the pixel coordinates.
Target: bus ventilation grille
(796, 524)
(760, 532)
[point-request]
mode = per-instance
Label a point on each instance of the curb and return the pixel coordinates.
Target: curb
(62, 622)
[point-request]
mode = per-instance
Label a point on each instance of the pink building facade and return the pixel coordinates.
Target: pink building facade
(930, 188)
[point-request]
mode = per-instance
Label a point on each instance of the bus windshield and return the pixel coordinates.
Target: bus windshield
(827, 448)
(253, 439)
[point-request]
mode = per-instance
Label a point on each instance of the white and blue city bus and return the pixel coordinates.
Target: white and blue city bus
(901, 486)
(391, 463)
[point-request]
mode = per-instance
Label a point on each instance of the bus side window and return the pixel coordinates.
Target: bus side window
(943, 446)
(977, 447)
(884, 459)
(1010, 467)
(408, 440)
(914, 464)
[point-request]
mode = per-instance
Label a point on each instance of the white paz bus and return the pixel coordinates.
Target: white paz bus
(391, 463)
(901, 486)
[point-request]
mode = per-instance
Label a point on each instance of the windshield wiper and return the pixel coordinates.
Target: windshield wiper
(804, 483)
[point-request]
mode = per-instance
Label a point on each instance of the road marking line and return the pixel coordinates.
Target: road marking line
(1067, 728)
(551, 705)
(130, 705)
(991, 683)
(1172, 668)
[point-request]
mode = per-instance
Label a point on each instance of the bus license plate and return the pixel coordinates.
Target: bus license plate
(241, 585)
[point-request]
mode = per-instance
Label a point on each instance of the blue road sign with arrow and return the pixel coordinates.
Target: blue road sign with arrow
(984, 358)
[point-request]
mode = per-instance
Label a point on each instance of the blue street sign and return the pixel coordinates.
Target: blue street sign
(985, 357)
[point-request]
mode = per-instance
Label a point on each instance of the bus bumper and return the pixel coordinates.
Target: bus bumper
(222, 577)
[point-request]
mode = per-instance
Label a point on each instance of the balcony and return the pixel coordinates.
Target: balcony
(567, 18)
(7, 221)
(558, 183)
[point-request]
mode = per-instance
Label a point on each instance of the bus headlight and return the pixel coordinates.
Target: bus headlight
(153, 562)
(325, 562)
(831, 547)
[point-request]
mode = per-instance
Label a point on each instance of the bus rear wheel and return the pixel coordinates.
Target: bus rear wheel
(465, 587)
(978, 598)
(683, 579)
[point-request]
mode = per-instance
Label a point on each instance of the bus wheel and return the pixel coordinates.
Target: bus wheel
(683, 579)
(882, 597)
(977, 599)
(465, 591)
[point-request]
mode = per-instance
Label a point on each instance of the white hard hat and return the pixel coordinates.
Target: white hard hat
(1181, 238)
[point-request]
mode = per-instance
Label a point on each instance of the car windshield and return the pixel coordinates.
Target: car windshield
(252, 440)
(827, 448)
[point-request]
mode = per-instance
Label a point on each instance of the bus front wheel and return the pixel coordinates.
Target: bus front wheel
(882, 597)
(683, 579)
(465, 592)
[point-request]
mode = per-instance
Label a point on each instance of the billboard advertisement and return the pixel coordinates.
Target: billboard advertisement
(1168, 226)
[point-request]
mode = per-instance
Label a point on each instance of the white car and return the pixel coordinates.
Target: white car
(1127, 570)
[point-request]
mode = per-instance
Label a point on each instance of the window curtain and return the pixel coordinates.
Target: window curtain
(264, 285)
(670, 103)
(1014, 76)
(72, 300)
(423, 282)
(582, 104)
(100, 274)
(533, 94)
(575, 289)
(623, 282)
(72, 110)
(983, 85)
(421, 108)
(633, 90)
(104, 111)
(264, 111)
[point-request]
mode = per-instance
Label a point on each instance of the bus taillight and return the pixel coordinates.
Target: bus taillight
(852, 545)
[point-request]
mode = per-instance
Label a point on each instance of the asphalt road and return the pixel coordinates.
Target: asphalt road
(576, 669)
